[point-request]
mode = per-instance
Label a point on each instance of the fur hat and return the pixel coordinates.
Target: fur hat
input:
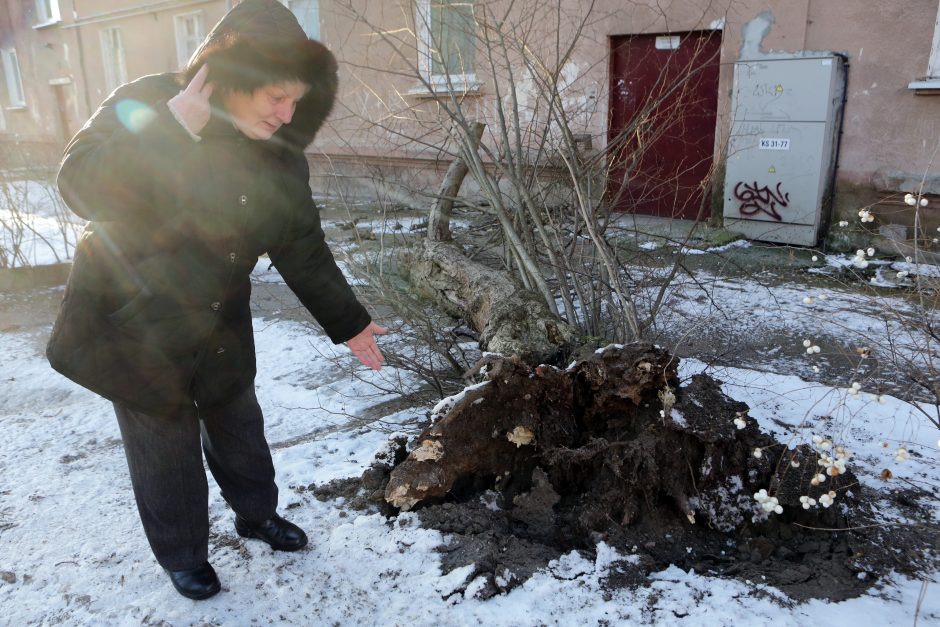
(260, 42)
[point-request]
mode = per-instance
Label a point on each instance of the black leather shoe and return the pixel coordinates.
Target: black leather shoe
(280, 534)
(196, 583)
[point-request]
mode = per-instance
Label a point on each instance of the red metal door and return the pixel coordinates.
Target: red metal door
(663, 108)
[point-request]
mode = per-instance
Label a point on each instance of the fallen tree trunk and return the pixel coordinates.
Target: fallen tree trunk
(510, 320)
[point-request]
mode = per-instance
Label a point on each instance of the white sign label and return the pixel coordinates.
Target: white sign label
(667, 42)
(774, 143)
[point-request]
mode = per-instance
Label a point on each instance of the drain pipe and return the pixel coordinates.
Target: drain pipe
(835, 167)
(81, 63)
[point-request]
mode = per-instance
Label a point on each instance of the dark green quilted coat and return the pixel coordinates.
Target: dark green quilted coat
(156, 311)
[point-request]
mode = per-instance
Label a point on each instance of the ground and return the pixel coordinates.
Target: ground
(72, 552)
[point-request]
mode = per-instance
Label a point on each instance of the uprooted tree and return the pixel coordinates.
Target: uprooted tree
(617, 436)
(611, 448)
(538, 461)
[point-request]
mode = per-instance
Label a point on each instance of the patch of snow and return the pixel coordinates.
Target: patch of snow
(738, 243)
(918, 269)
(883, 279)
(455, 579)
(37, 227)
(265, 272)
(676, 416)
(446, 404)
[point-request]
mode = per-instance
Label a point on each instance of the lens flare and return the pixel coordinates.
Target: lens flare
(134, 115)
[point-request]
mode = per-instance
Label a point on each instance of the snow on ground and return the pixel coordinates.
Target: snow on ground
(739, 243)
(392, 224)
(35, 223)
(265, 272)
(71, 550)
(920, 269)
(838, 319)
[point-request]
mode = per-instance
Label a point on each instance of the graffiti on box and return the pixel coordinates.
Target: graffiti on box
(755, 199)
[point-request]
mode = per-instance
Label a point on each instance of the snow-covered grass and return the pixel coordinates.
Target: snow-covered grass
(72, 552)
(872, 426)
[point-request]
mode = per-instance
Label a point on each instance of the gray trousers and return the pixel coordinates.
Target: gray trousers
(165, 462)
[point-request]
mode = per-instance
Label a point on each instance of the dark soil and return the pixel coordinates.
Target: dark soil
(605, 466)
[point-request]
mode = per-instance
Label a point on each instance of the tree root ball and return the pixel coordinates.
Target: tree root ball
(616, 438)
(612, 449)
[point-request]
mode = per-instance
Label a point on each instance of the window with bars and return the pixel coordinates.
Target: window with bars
(447, 42)
(113, 58)
(13, 94)
(190, 31)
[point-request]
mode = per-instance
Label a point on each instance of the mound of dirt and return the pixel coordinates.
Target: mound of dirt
(537, 462)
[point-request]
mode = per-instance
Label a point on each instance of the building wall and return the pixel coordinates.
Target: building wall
(148, 35)
(369, 143)
(62, 65)
(888, 128)
(30, 133)
(886, 123)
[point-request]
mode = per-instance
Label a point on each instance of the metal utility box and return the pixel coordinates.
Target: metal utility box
(786, 114)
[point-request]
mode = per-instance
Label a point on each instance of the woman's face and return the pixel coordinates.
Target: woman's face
(259, 114)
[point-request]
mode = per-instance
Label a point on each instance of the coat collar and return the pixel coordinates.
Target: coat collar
(220, 126)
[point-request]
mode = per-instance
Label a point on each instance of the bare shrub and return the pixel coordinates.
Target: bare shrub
(540, 169)
(36, 228)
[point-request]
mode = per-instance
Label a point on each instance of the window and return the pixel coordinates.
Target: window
(307, 13)
(933, 66)
(189, 34)
(446, 42)
(47, 12)
(112, 55)
(932, 82)
(14, 96)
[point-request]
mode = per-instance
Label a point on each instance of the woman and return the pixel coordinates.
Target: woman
(184, 189)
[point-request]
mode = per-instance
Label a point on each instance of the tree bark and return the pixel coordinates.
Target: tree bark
(439, 217)
(510, 320)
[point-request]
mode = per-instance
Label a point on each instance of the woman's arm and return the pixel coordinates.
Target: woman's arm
(131, 146)
(307, 265)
